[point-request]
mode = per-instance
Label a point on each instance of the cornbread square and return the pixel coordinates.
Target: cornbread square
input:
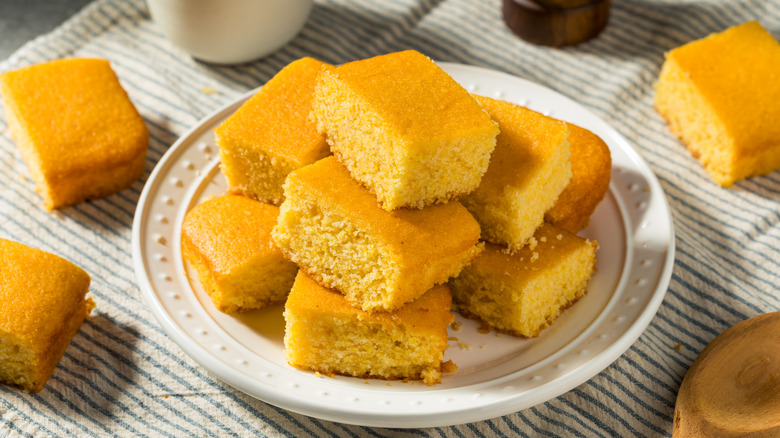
(525, 292)
(270, 135)
(528, 171)
(324, 333)
(42, 305)
(228, 241)
(721, 97)
(404, 128)
(333, 228)
(591, 169)
(76, 129)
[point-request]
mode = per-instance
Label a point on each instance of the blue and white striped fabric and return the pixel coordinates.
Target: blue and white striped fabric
(123, 376)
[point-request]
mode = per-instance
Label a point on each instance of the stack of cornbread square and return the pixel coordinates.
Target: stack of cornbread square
(530, 270)
(377, 230)
(374, 228)
(228, 239)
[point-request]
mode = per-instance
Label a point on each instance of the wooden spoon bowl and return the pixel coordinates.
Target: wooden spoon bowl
(733, 388)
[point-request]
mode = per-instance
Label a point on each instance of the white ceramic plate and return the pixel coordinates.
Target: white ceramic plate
(496, 374)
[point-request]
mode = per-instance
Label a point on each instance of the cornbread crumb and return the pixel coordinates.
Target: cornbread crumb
(77, 130)
(678, 346)
(448, 367)
(532, 298)
(271, 135)
(528, 170)
(209, 90)
(43, 304)
(333, 228)
(324, 333)
(456, 325)
(228, 241)
(404, 128)
(464, 346)
(720, 96)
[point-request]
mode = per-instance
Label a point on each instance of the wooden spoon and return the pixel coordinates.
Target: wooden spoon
(733, 387)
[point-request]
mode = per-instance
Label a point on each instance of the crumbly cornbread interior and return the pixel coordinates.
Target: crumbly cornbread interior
(325, 333)
(334, 230)
(720, 96)
(271, 134)
(528, 170)
(43, 304)
(591, 170)
(413, 138)
(524, 292)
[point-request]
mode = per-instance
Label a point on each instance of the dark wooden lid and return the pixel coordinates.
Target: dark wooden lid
(556, 22)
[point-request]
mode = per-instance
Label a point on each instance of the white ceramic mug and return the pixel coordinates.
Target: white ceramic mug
(230, 31)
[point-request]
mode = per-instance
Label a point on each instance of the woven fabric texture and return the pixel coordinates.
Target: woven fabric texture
(123, 376)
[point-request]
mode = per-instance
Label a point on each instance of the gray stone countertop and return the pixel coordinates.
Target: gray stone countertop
(23, 20)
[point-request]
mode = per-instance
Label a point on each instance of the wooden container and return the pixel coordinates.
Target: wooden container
(556, 22)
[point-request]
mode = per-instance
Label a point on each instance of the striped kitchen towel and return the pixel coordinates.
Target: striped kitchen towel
(123, 376)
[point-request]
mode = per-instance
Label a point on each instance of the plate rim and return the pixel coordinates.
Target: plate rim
(411, 419)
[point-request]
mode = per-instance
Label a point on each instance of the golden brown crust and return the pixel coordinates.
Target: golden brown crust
(228, 241)
(591, 165)
(403, 127)
(528, 170)
(403, 379)
(42, 305)
(724, 108)
(336, 231)
(77, 130)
